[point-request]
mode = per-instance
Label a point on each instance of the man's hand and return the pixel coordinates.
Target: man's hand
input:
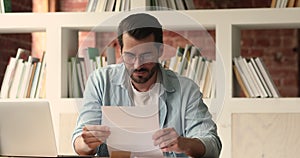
(92, 136)
(167, 139)
(95, 135)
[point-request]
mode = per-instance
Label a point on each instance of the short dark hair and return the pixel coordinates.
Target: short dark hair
(140, 26)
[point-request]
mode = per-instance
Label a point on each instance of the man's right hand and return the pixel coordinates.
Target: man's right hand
(92, 136)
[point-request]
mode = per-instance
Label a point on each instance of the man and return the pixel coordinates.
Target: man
(186, 124)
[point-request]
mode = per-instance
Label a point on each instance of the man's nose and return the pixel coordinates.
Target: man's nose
(137, 62)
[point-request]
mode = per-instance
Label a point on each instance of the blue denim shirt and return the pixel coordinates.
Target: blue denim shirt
(181, 105)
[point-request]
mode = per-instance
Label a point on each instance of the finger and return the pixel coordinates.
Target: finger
(160, 133)
(165, 135)
(88, 140)
(96, 128)
(166, 149)
(168, 142)
(95, 135)
(93, 144)
(164, 141)
(173, 148)
(99, 140)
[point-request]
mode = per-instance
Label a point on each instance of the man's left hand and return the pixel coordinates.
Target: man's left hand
(167, 139)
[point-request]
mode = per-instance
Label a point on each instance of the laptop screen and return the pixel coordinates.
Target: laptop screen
(26, 129)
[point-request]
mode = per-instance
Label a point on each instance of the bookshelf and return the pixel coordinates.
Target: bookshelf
(62, 43)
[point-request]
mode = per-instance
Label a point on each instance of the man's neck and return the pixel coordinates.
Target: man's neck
(143, 87)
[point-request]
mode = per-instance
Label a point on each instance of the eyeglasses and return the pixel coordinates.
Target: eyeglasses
(130, 58)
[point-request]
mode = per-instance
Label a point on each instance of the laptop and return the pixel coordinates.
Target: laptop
(26, 129)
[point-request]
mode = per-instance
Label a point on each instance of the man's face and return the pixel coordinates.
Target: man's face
(140, 57)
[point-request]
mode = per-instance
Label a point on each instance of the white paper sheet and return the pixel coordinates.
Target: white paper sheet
(132, 129)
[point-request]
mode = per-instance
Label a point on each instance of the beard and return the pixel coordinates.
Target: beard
(141, 78)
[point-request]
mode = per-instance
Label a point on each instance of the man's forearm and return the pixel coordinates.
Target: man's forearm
(191, 146)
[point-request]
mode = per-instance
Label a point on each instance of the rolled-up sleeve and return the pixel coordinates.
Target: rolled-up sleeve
(199, 124)
(91, 113)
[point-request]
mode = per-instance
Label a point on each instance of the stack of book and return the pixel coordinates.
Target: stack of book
(285, 3)
(189, 62)
(24, 76)
(80, 67)
(253, 78)
(126, 5)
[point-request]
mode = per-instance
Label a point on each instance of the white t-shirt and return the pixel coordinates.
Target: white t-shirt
(148, 98)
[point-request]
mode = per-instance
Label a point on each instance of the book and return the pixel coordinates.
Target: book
(258, 83)
(91, 6)
(172, 4)
(273, 3)
(42, 92)
(25, 79)
(138, 4)
(110, 5)
(176, 59)
(99, 61)
(248, 76)
(16, 79)
(7, 75)
(203, 75)
(240, 81)
(35, 80)
(208, 80)
(291, 3)
(199, 70)
(266, 75)
(40, 75)
(193, 65)
(100, 5)
(184, 60)
(262, 80)
(80, 74)
(70, 87)
(126, 5)
(83, 69)
(118, 5)
(193, 52)
(278, 3)
(75, 80)
(284, 3)
(103, 60)
(32, 61)
(189, 4)
(297, 4)
(28, 92)
(110, 55)
(163, 4)
(179, 5)
(89, 55)
(243, 76)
